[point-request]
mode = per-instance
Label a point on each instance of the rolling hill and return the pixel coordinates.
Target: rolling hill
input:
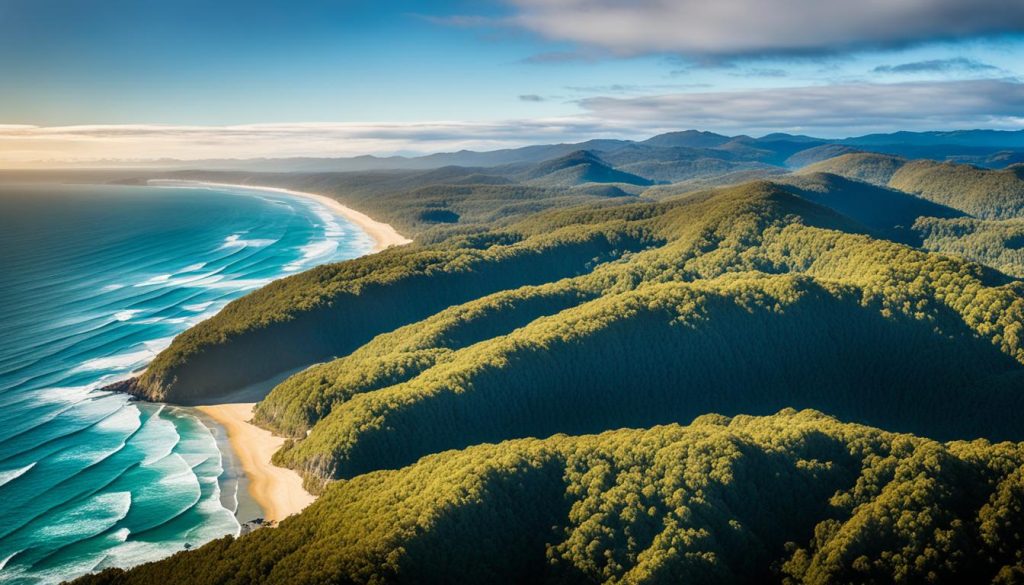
(983, 193)
(502, 400)
(578, 168)
(668, 504)
(636, 314)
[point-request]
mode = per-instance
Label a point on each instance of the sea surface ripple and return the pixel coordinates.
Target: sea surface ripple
(94, 282)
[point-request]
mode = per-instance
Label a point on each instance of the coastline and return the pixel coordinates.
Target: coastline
(383, 235)
(278, 491)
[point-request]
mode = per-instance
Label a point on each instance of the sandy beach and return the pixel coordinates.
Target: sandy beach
(277, 490)
(383, 235)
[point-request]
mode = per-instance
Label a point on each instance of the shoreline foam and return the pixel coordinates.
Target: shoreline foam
(383, 235)
(278, 491)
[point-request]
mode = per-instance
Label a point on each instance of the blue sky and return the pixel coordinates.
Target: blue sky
(184, 78)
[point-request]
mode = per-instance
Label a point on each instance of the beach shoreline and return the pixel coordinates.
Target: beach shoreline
(383, 235)
(278, 491)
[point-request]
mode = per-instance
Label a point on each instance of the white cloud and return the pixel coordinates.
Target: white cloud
(830, 110)
(744, 27)
(19, 144)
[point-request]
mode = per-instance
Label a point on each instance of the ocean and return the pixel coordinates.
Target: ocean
(94, 282)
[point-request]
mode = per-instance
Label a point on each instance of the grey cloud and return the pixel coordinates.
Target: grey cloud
(531, 97)
(459, 20)
(745, 27)
(760, 73)
(558, 57)
(620, 88)
(832, 108)
(937, 66)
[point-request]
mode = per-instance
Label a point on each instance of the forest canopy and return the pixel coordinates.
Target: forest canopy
(797, 497)
(501, 400)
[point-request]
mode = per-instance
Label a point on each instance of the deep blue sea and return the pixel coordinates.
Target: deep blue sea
(94, 281)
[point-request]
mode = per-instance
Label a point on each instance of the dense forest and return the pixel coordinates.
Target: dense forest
(797, 497)
(460, 403)
(983, 193)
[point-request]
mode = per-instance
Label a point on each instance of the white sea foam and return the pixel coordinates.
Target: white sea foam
(121, 361)
(126, 315)
(96, 515)
(8, 475)
(170, 488)
(193, 280)
(164, 320)
(112, 427)
(239, 284)
(311, 252)
(160, 279)
(155, 346)
(236, 241)
(157, 438)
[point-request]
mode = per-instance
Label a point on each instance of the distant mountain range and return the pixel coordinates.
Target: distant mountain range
(663, 155)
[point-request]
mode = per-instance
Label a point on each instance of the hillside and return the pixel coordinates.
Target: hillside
(578, 168)
(888, 212)
(869, 167)
(999, 244)
(817, 154)
(983, 193)
(712, 502)
(987, 148)
(739, 300)
(478, 378)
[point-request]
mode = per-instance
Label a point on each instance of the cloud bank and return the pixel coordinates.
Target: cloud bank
(747, 27)
(23, 143)
(831, 111)
(831, 108)
(938, 66)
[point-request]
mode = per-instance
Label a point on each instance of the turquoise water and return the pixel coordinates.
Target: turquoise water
(94, 281)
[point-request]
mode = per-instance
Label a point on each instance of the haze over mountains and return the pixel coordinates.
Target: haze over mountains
(989, 148)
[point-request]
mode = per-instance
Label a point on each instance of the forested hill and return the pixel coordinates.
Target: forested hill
(450, 393)
(984, 193)
(739, 300)
(797, 497)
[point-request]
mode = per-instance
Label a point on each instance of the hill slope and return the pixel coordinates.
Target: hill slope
(439, 361)
(712, 502)
(983, 193)
(577, 168)
(746, 299)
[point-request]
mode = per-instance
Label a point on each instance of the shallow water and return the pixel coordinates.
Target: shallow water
(94, 281)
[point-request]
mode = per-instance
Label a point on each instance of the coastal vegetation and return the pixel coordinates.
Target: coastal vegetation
(738, 300)
(797, 497)
(485, 375)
